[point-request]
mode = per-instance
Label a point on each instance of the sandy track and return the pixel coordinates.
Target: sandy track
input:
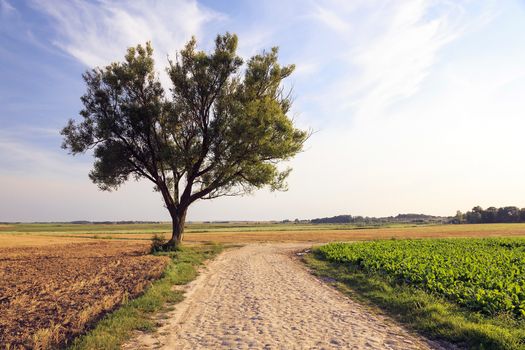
(258, 297)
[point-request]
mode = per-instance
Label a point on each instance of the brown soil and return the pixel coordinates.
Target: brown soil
(49, 294)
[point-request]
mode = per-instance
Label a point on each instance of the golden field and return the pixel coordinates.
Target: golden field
(43, 234)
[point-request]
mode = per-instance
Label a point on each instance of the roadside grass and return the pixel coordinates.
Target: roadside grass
(117, 327)
(430, 315)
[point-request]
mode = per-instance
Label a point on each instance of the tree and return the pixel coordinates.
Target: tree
(474, 216)
(459, 218)
(508, 214)
(218, 133)
(489, 215)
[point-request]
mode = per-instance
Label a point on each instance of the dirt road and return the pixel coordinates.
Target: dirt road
(258, 297)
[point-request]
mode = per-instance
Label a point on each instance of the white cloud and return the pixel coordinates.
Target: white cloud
(397, 62)
(306, 68)
(384, 58)
(330, 19)
(22, 157)
(97, 33)
(6, 8)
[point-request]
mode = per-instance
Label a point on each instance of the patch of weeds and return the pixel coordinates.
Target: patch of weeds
(158, 243)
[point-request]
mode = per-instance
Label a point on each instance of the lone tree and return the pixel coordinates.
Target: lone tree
(216, 133)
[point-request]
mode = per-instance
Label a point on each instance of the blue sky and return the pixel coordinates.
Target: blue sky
(418, 106)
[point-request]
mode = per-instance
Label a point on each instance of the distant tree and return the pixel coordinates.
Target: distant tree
(495, 215)
(522, 215)
(513, 213)
(217, 133)
(508, 214)
(477, 209)
(489, 215)
(501, 215)
(459, 218)
(474, 216)
(339, 219)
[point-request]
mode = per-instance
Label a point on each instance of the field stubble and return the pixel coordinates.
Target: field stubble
(48, 294)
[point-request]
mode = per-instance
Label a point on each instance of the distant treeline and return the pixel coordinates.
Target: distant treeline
(478, 215)
(401, 218)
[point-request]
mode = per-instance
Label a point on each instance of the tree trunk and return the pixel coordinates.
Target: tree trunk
(178, 219)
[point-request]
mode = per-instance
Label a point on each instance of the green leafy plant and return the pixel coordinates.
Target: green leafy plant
(158, 243)
(483, 275)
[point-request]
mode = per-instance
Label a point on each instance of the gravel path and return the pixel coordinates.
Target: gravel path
(258, 297)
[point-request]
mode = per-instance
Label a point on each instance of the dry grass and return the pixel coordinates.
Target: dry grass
(16, 240)
(350, 235)
(327, 235)
(49, 294)
(254, 233)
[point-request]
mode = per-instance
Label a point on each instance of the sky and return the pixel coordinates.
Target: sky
(415, 106)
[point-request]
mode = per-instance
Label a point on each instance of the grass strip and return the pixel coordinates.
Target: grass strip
(428, 314)
(117, 327)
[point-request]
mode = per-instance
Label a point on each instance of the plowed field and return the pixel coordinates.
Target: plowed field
(48, 294)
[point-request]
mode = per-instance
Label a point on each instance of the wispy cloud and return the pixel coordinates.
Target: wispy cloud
(384, 63)
(355, 59)
(398, 60)
(6, 8)
(20, 156)
(29, 131)
(381, 58)
(306, 68)
(330, 18)
(96, 33)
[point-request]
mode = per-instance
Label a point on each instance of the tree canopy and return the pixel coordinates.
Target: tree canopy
(478, 215)
(216, 132)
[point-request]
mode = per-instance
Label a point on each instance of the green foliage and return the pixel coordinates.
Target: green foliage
(428, 313)
(215, 134)
(494, 215)
(485, 275)
(157, 243)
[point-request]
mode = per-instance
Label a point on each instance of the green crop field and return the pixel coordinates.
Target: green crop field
(469, 291)
(486, 275)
